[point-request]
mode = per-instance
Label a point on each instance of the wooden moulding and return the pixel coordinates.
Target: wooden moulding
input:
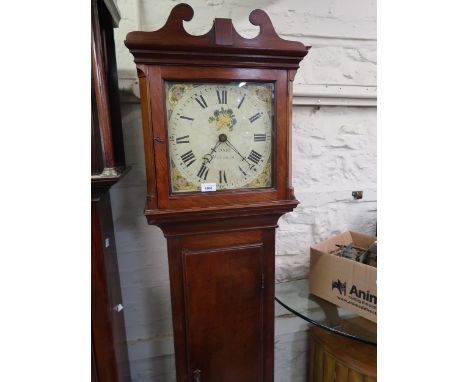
(221, 46)
(220, 219)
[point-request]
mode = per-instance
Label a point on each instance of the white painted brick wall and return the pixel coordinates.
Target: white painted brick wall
(334, 153)
(341, 32)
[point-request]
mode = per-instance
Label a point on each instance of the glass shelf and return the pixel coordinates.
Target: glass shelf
(295, 297)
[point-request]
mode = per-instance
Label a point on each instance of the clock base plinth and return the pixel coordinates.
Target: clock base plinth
(222, 271)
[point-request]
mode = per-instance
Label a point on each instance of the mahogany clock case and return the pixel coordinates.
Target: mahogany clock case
(221, 245)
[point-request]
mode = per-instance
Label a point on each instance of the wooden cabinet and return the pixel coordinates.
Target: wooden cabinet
(109, 349)
(224, 311)
(107, 150)
(109, 357)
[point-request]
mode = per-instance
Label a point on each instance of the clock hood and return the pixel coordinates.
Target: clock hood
(222, 45)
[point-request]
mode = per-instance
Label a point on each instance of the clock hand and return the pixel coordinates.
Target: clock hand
(236, 151)
(207, 158)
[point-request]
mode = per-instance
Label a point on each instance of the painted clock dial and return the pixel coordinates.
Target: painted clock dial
(219, 134)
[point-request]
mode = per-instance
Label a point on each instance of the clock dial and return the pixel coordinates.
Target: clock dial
(219, 133)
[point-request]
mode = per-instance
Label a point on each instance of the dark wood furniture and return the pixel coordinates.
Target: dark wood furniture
(221, 245)
(109, 358)
(109, 349)
(108, 156)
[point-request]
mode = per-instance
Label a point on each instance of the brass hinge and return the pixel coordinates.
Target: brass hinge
(263, 280)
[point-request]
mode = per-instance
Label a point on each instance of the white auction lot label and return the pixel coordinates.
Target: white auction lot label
(205, 187)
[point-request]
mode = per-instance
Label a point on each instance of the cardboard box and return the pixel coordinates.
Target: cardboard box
(344, 282)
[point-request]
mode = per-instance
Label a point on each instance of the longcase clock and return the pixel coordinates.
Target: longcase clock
(217, 136)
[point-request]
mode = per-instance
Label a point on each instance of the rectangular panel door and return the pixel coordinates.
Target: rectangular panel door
(224, 306)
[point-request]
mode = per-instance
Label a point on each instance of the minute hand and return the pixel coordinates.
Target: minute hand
(243, 157)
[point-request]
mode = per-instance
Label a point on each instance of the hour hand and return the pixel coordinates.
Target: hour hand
(207, 158)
